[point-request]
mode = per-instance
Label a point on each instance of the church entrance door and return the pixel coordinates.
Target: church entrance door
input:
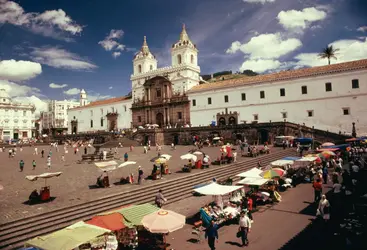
(159, 119)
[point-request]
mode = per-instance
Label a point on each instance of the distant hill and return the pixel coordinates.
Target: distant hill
(225, 75)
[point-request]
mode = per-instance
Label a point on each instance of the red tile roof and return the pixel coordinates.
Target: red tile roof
(103, 102)
(284, 75)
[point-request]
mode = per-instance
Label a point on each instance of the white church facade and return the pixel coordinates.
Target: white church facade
(327, 97)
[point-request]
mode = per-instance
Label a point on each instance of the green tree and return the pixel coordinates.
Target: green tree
(328, 52)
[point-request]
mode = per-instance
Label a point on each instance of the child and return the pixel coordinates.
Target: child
(34, 164)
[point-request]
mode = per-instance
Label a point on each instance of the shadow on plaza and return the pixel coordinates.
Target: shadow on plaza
(27, 202)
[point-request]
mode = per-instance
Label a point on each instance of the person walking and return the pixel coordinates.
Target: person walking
(244, 228)
(140, 175)
(211, 233)
(34, 164)
(325, 174)
(317, 186)
(21, 165)
(35, 151)
(42, 153)
(159, 199)
(324, 208)
(49, 162)
(126, 157)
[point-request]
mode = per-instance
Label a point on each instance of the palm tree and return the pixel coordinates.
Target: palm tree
(328, 52)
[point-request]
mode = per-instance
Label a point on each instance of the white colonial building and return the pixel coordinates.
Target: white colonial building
(17, 121)
(328, 97)
(104, 115)
(57, 116)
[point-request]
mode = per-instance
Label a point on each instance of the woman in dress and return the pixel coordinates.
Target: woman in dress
(324, 208)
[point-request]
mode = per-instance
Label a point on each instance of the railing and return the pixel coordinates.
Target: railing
(173, 99)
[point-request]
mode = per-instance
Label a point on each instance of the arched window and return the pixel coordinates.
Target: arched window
(179, 59)
(139, 68)
(192, 59)
(151, 67)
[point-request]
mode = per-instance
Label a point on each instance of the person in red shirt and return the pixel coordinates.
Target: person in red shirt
(317, 186)
(249, 207)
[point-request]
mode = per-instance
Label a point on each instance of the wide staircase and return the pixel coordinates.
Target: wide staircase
(126, 142)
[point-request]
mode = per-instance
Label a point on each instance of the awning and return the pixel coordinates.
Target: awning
(254, 173)
(113, 222)
(135, 213)
(253, 181)
(291, 158)
(68, 238)
(216, 189)
(282, 163)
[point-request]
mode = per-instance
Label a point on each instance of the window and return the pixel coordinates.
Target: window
(125, 108)
(159, 92)
(304, 90)
(243, 96)
(310, 113)
(179, 59)
(113, 109)
(101, 122)
(262, 94)
(139, 118)
(91, 123)
(24, 113)
(194, 103)
(282, 92)
(139, 68)
(355, 84)
(209, 100)
(179, 115)
(328, 87)
(226, 98)
(256, 117)
(346, 111)
(192, 59)
(4, 100)
(74, 117)
(284, 115)
(91, 113)
(151, 67)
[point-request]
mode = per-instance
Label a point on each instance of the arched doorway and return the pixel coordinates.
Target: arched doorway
(176, 139)
(232, 121)
(264, 136)
(222, 121)
(146, 139)
(159, 119)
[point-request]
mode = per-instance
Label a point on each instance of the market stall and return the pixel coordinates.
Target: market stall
(221, 210)
(45, 191)
(252, 173)
(69, 238)
(109, 166)
(282, 163)
(253, 181)
(191, 162)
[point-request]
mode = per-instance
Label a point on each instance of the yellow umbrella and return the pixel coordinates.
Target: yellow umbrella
(160, 161)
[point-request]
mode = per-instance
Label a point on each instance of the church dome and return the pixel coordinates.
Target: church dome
(144, 51)
(184, 40)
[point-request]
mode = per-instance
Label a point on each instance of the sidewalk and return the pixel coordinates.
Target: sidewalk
(274, 226)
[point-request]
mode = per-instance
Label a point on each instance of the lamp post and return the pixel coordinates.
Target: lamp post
(354, 133)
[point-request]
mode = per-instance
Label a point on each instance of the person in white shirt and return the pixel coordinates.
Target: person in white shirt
(355, 168)
(244, 228)
(235, 156)
(337, 187)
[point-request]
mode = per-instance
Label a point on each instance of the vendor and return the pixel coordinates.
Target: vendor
(102, 181)
(34, 197)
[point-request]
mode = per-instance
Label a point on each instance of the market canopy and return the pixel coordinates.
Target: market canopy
(291, 158)
(253, 181)
(42, 176)
(68, 238)
(113, 222)
(282, 163)
(216, 189)
(113, 165)
(252, 173)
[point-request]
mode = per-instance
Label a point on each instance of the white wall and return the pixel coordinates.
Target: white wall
(327, 106)
(84, 116)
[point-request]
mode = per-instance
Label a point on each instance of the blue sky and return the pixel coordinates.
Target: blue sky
(51, 49)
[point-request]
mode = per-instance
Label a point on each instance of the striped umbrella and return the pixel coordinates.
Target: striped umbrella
(270, 174)
(327, 154)
(280, 171)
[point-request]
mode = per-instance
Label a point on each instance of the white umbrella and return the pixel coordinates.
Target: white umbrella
(126, 163)
(189, 157)
(166, 156)
(216, 138)
(44, 176)
(140, 127)
(155, 125)
(198, 153)
(163, 221)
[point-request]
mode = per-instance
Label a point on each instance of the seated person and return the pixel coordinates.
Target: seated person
(189, 165)
(205, 162)
(102, 181)
(34, 196)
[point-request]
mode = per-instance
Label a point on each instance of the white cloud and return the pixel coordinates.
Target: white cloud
(97, 96)
(19, 70)
(60, 58)
(349, 50)
(362, 29)
(110, 41)
(260, 65)
(116, 54)
(53, 23)
(300, 19)
(110, 87)
(57, 86)
(259, 1)
(73, 91)
(24, 94)
(266, 46)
